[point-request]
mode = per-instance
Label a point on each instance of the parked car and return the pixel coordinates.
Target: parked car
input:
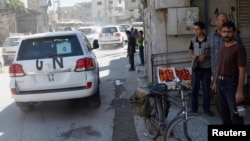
(137, 25)
(10, 46)
(91, 32)
(54, 66)
(1, 61)
(112, 35)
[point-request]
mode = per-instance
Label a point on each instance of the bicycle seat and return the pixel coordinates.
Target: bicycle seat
(159, 88)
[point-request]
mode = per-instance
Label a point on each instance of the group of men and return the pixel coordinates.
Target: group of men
(222, 56)
(135, 39)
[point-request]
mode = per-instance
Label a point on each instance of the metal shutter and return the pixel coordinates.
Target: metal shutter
(244, 27)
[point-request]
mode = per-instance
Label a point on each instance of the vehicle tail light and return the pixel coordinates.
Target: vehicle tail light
(16, 70)
(100, 35)
(13, 91)
(84, 64)
(89, 85)
(118, 34)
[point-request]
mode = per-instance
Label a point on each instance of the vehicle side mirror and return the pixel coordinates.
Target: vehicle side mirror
(95, 44)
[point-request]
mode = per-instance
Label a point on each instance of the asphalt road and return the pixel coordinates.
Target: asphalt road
(75, 120)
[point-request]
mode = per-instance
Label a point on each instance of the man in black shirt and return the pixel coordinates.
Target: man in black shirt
(131, 49)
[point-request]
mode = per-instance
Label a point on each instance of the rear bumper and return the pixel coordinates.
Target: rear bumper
(54, 95)
(109, 42)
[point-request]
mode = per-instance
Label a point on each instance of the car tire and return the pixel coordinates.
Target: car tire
(24, 106)
(95, 100)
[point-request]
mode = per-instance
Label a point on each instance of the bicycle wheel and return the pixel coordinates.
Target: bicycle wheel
(192, 129)
(153, 121)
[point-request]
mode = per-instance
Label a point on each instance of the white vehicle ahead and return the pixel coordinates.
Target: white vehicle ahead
(112, 35)
(54, 66)
(10, 47)
(137, 25)
(125, 26)
(91, 32)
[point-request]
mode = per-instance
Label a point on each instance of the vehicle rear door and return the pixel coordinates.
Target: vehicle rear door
(10, 46)
(51, 63)
(109, 34)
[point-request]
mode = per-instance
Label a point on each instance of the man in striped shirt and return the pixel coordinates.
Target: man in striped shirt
(215, 40)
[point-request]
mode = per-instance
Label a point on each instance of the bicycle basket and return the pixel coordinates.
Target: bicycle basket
(139, 102)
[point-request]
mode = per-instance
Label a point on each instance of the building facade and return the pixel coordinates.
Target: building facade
(32, 18)
(168, 29)
(79, 12)
(107, 11)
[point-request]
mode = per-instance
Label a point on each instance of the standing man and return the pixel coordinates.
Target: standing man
(229, 75)
(131, 49)
(200, 51)
(216, 40)
(140, 41)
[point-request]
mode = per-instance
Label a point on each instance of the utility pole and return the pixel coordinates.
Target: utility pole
(110, 11)
(59, 10)
(55, 14)
(105, 9)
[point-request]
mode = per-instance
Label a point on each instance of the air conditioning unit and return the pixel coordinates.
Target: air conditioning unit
(180, 20)
(159, 4)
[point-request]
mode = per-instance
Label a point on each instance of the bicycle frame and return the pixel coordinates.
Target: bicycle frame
(160, 98)
(156, 121)
(182, 115)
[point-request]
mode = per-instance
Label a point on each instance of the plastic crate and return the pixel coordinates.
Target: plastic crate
(166, 75)
(185, 75)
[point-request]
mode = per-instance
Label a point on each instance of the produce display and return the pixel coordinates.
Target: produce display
(183, 74)
(166, 74)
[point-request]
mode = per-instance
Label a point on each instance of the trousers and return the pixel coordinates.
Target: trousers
(226, 90)
(203, 77)
(131, 60)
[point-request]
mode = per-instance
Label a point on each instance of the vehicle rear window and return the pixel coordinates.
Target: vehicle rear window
(137, 25)
(11, 42)
(109, 30)
(122, 29)
(49, 47)
(86, 31)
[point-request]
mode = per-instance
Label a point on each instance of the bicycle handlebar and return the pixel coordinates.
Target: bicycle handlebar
(178, 81)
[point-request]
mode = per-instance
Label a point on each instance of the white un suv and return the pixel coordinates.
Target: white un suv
(112, 35)
(10, 47)
(54, 66)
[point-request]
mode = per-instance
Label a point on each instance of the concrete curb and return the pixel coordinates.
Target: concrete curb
(141, 82)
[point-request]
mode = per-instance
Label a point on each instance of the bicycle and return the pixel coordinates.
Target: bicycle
(159, 106)
(181, 124)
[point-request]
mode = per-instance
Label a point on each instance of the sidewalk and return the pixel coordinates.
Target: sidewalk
(142, 82)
